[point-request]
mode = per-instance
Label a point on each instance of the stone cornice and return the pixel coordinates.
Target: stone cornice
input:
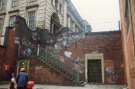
(13, 11)
(32, 6)
(74, 11)
(3, 13)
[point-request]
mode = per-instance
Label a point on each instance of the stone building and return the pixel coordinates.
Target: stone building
(87, 27)
(127, 10)
(45, 14)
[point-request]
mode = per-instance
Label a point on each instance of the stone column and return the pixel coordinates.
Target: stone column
(69, 22)
(65, 13)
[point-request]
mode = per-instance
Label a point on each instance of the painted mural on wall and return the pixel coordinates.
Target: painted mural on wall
(45, 46)
(7, 62)
(112, 75)
(56, 52)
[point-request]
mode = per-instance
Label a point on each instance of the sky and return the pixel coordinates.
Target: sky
(103, 15)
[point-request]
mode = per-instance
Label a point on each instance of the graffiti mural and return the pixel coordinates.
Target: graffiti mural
(46, 46)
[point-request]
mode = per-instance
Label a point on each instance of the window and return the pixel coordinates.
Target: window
(12, 21)
(56, 4)
(76, 28)
(1, 24)
(71, 24)
(14, 3)
(1, 1)
(31, 20)
(60, 8)
(52, 1)
(2, 4)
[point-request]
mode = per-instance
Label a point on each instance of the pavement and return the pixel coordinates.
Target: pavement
(74, 87)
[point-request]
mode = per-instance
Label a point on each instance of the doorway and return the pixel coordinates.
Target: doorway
(94, 68)
(94, 71)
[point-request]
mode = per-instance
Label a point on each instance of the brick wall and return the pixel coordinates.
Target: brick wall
(110, 45)
(8, 56)
(41, 73)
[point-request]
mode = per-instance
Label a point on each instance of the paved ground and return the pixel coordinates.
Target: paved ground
(70, 87)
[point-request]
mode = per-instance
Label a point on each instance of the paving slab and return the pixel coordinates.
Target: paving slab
(73, 87)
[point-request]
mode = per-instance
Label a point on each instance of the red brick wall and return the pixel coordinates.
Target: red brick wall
(8, 56)
(41, 73)
(108, 43)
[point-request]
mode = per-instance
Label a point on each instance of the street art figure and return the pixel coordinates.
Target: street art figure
(13, 84)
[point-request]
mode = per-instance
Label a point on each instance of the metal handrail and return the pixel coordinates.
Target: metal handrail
(52, 60)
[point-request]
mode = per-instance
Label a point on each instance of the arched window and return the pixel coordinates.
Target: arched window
(12, 21)
(2, 4)
(54, 24)
(56, 4)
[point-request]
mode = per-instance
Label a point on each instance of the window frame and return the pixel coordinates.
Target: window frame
(52, 2)
(29, 20)
(1, 4)
(14, 3)
(60, 8)
(2, 24)
(56, 4)
(12, 20)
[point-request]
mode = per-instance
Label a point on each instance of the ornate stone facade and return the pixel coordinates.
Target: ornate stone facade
(38, 14)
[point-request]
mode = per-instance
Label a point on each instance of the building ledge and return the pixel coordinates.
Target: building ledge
(103, 33)
(32, 6)
(13, 11)
(2, 13)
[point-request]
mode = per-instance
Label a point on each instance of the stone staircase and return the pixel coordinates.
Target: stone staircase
(51, 59)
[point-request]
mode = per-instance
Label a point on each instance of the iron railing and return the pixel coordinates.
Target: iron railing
(51, 59)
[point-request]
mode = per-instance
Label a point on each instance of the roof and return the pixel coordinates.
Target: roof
(103, 33)
(73, 9)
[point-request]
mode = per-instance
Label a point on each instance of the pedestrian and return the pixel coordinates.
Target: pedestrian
(13, 84)
(22, 79)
